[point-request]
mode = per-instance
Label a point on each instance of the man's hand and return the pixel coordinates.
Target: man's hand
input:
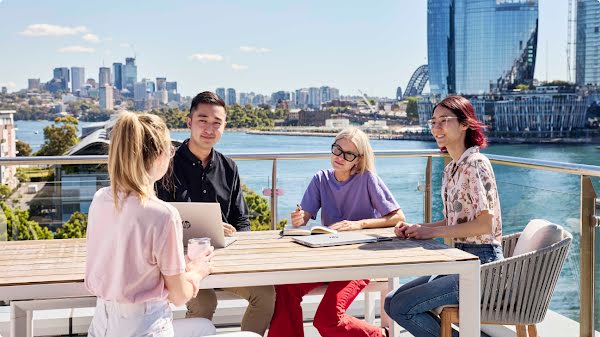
(298, 218)
(228, 229)
(418, 232)
(347, 225)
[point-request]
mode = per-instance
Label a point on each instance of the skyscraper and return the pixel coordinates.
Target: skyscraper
(325, 94)
(104, 76)
(129, 73)
(106, 97)
(150, 86)
(33, 84)
(302, 96)
(477, 46)
(314, 98)
(161, 83)
(118, 75)
(171, 86)
(62, 75)
(231, 96)
(587, 58)
(77, 78)
(221, 93)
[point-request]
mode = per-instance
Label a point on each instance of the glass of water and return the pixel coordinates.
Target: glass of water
(197, 246)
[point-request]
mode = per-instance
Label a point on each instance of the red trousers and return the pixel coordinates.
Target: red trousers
(330, 319)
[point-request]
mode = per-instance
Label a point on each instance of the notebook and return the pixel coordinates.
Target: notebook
(307, 230)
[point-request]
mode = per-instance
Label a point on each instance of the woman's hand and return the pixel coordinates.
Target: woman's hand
(400, 228)
(419, 232)
(228, 229)
(298, 218)
(202, 265)
(347, 225)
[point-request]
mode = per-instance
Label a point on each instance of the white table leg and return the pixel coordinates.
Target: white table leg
(469, 300)
(369, 307)
(393, 284)
(20, 322)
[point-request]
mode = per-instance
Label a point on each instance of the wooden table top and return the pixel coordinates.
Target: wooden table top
(57, 261)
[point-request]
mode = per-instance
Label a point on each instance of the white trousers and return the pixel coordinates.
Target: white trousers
(149, 319)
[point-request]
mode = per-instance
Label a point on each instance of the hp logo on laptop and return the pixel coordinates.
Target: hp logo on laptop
(186, 224)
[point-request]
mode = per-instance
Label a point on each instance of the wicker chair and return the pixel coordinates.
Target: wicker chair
(518, 289)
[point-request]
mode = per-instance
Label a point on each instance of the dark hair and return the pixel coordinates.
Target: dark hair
(463, 109)
(206, 97)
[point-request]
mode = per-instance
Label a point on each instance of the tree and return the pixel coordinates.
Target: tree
(58, 139)
(5, 192)
(522, 87)
(75, 228)
(19, 226)
(23, 149)
(411, 108)
(260, 212)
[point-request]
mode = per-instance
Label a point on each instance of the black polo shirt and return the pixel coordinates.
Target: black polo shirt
(218, 182)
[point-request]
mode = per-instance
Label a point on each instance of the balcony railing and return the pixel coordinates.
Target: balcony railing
(588, 220)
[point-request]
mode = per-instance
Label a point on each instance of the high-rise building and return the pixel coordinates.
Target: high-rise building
(104, 76)
(77, 78)
(302, 96)
(4, 90)
(140, 95)
(221, 93)
(106, 97)
(118, 75)
(587, 59)
(171, 86)
(475, 47)
(243, 98)
(231, 96)
(162, 96)
(399, 94)
(314, 98)
(325, 94)
(129, 74)
(62, 74)
(150, 86)
(33, 84)
(279, 96)
(259, 100)
(92, 82)
(161, 83)
(335, 93)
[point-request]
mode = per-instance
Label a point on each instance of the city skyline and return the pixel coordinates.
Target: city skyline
(373, 48)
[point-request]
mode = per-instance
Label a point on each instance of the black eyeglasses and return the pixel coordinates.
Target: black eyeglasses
(348, 156)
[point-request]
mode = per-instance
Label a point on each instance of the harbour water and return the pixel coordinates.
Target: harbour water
(524, 193)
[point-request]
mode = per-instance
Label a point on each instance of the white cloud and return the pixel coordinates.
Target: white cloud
(207, 57)
(258, 50)
(235, 66)
(76, 49)
(10, 85)
(91, 38)
(43, 29)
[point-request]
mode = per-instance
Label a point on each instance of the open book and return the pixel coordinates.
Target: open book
(307, 230)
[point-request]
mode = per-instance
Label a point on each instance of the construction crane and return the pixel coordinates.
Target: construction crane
(571, 19)
(366, 99)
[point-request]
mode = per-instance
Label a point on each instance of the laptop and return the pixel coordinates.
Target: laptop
(202, 220)
(338, 239)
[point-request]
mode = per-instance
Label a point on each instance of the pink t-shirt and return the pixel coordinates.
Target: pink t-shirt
(128, 251)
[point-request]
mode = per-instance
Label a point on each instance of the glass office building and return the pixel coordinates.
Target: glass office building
(477, 46)
(587, 58)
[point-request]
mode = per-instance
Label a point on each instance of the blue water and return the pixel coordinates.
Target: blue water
(524, 194)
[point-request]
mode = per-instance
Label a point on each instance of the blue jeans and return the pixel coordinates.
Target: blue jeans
(411, 304)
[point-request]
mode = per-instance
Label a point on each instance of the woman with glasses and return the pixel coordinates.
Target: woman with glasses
(471, 217)
(350, 196)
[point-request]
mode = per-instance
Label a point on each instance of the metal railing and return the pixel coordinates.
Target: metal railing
(587, 199)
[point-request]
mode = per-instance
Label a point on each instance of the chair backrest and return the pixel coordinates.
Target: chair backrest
(518, 289)
(538, 233)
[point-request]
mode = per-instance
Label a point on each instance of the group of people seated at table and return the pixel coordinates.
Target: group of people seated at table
(136, 264)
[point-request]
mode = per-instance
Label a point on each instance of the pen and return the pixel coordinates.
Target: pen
(298, 207)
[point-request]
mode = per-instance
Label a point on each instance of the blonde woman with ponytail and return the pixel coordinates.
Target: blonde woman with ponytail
(350, 196)
(135, 261)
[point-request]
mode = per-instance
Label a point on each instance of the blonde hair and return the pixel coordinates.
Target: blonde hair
(366, 159)
(137, 140)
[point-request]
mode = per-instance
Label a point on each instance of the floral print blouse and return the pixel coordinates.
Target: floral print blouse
(469, 188)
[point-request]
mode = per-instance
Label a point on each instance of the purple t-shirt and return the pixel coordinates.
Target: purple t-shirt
(363, 196)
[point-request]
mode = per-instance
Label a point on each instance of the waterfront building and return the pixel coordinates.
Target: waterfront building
(8, 147)
(475, 47)
(104, 77)
(62, 76)
(221, 93)
(118, 75)
(106, 97)
(314, 98)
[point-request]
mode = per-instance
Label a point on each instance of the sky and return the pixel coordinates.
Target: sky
(261, 46)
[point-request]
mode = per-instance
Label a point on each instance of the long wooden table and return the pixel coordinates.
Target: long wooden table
(40, 274)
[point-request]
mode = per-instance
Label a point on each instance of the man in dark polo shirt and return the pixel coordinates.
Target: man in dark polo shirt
(202, 174)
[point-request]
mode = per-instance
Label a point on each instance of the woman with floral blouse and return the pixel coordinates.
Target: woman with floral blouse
(471, 216)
